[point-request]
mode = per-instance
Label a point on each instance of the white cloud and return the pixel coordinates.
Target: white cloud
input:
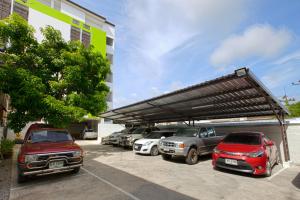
(156, 27)
(260, 40)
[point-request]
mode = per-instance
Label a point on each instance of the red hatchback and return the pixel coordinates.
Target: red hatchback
(248, 152)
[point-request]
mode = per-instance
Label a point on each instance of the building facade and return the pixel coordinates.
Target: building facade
(74, 21)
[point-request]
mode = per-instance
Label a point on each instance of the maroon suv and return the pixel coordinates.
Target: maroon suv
(47, 150)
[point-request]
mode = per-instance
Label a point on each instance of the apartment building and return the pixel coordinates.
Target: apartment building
(74, 21)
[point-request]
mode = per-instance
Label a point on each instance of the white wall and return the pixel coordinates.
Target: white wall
(107, 129)
(38, 20)
(72, 11)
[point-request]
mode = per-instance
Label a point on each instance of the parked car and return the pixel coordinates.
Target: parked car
(248, 152)
(149, 144)
(190, 142)
(47, 150)
(89, 134)
(105, 140)
(115, 139)
(128, 140)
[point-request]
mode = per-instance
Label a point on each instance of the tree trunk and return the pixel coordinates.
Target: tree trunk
(5, 132)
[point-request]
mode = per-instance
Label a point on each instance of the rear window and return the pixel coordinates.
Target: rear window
(243, 138)
(49, 136)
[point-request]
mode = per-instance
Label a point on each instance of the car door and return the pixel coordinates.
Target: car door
(214, 139)
(205, 142)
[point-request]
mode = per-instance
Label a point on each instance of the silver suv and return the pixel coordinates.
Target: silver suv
(190, 142)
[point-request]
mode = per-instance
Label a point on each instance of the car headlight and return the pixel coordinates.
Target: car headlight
(147, 143)
(30, 158)
(77, 153)
(216, 150)
(160, 143)
(256, 154)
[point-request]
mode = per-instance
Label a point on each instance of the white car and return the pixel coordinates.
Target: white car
(149, 144)
(89, 134)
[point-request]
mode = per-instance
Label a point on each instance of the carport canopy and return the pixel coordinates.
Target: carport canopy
(239, 94)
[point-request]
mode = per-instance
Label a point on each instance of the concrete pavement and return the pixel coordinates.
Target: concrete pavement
(114, 173)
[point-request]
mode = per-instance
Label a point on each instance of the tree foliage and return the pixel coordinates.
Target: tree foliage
(294, 109)
(54, 80)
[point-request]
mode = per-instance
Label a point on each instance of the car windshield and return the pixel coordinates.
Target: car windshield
(138, 131)
(243, 138)
(50, 136)
(154, 135)
(186, 132)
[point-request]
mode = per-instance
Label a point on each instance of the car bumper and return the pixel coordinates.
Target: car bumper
(142, 149)
(51, 171)
(90, 136)
(126, 143)
(174, 151)
(114, 141)
(245, 164)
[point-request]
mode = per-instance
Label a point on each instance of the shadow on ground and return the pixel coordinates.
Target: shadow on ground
(296, 181)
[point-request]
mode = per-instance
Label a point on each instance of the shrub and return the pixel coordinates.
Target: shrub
(6, 147)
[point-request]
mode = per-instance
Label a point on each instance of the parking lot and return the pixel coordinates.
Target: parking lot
(114, 173)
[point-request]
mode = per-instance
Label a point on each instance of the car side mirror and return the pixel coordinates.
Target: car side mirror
(163, 137)
(269, 143)
(19, 141)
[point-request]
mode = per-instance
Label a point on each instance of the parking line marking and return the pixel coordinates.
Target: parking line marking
(112, 185)
(44, 183)
(274, 175)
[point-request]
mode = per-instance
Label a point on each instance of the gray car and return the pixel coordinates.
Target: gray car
(190, 142)
(128, 140)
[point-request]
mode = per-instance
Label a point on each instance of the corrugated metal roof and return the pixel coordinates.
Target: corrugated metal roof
(239, 94)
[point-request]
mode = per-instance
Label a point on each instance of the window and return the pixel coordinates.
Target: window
(86, 26)
(57, 5)
(110, 58)
(75, 33)
(211, 132)
(86, 38)
(109, 41)
(75, 21)
(46, 2)
(109, 78)
(5, 6)
(109, 97)
(21, 10)
(203, 133)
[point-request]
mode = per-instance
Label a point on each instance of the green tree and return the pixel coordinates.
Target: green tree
(294, 109)
(54, 80)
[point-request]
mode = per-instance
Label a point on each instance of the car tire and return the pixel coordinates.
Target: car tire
(21, 178)
(166, 156)
(192, 157)
(76, 170)
(154, 151)
(268, 169)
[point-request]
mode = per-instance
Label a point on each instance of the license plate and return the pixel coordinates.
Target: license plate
(231, 162)
(56, 164)
(166, 150)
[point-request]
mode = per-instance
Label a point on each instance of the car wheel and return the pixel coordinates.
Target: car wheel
(21, 178)
(154, 151)
(166, 156)
(192, 157)
(268, 169)
(76, 170)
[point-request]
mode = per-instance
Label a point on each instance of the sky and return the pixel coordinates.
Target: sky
(165, 45)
